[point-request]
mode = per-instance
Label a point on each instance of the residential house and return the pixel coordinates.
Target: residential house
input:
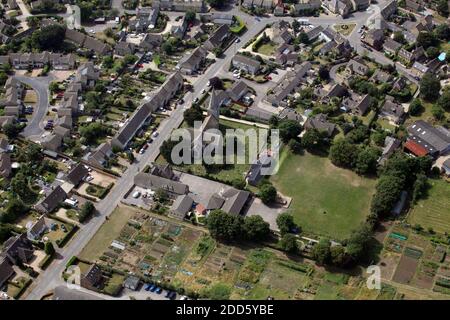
(246, 64)
(341, 7)
(5, 165)
(356, 104)
(6, 271)
(414, 6)
(400, 83)
(162, 170)
(424, 139)
(61, 131)
(381, 77)
(446, 167)
(320, 123)
(218, 39)
(392, 111)
(146, 18)
(123, 48)
(288, 83)
(314, 33)
(76, 37)
(259, 169)
(143, 113)
(410, 57)
(391, 46)
(36, 229)
(306, 7)
(52, 142)
(93, 278)
(390, 145)
(419, 69)
(238, 90)
(152, 182)
(179, 31)
(100, 155)
(218, 18)
(374, 38)
(99, 47)
(87, 75)
(389, 9)
(51, 201)
(358, 66)
(232, 201)
(77, 174)
(181, 206)
(150, 42)
(197, 6)
(18, 250)
(191, 63)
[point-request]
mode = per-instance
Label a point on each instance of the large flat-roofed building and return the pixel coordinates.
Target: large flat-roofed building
(424, 139)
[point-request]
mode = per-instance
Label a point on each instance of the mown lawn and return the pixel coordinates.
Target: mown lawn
(326, 200)
(433, 211)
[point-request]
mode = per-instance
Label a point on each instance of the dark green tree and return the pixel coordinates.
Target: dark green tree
(224, 226)
(321, 251)
(87, 210)
(285, 223)
(268, 194)
(343, 153)
(49, 249)
(430, 87)
(255, 228)
(288, 243)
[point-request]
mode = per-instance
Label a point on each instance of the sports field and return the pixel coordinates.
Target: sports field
(326, 200)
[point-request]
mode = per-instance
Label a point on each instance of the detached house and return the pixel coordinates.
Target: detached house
(320, 123)
(358, 66)
(390, 46)
(51, 201)
(245, 63)
(218, 39)
(374, 38)
(392, 111)
(123, 48)
(356, 104)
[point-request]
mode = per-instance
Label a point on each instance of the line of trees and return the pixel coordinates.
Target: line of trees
(227, 227)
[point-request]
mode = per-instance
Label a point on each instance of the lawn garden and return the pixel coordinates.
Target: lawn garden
(326, 200)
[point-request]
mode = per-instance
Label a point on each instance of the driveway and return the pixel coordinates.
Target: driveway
(40, 85)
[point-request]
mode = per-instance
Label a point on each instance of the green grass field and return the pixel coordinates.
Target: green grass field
(326, 200)
(434, 210)
(108, 232)
(267, 49)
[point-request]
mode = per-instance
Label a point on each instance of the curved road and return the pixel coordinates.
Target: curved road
(40, 86)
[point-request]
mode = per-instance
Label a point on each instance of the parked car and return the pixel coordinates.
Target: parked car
(158, 290)
(173, 295)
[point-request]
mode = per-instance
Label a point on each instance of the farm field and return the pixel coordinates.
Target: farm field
(433, 212)
(326, 200)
